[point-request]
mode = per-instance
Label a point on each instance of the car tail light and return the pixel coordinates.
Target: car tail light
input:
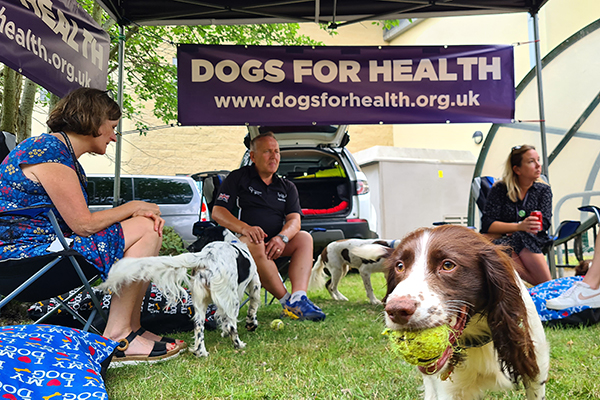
(355, 220)
(362, 187)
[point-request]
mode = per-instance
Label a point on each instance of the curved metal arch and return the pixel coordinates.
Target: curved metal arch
(551, 56)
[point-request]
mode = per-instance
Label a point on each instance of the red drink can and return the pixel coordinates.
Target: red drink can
(538, 215)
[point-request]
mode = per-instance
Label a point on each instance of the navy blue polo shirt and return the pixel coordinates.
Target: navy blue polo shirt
(260, 205)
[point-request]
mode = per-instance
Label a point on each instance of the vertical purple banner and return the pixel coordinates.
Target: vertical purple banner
(257, 85)
(54, 43)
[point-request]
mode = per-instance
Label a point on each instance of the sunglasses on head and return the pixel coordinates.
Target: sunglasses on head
(516, 148)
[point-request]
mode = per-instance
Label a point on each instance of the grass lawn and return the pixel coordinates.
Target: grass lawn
(343, 357)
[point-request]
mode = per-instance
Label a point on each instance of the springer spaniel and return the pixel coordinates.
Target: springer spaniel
(221, 271)
(337, 258)
(453, 275)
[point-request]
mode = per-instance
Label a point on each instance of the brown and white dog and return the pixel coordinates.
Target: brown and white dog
(338, 258)
(453, 275)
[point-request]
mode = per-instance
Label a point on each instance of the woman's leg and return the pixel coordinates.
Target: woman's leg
(140, 241)
(592, 277)
(535, 267)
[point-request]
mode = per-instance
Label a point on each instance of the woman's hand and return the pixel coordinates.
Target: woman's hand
(141, 207)
(149, 210)
(529, 224)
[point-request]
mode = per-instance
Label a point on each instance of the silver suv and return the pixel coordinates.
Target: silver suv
(334, 193)
(177, 197)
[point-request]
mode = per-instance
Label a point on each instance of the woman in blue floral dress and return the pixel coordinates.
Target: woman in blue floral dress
(44, 170)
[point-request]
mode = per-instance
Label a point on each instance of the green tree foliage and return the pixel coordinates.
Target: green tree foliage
(150, 72)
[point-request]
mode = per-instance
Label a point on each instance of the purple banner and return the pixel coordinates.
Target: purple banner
(55, 43)
(258, 85)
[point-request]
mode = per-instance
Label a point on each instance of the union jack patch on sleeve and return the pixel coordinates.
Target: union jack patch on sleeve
(224, 197)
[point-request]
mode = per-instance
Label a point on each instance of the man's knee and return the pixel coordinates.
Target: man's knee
(256, 250)
(302, 240)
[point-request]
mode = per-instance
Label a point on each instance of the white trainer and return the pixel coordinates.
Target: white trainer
(580, 294)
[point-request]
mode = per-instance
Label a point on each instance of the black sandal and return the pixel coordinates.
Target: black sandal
(159, 353)
(164, 339)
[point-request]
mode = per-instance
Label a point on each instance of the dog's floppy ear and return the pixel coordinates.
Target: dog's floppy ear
(507, 314)
(200, 226)
(208, 233)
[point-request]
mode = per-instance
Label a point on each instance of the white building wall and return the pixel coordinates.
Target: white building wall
(412, 188)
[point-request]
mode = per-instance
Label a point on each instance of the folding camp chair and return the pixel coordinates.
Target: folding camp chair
(39, 278)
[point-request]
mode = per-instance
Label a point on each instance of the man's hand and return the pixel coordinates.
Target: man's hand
(255, 233)
(274, 248)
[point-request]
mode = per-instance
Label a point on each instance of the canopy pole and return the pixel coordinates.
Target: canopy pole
(538, 71)
(117, 187)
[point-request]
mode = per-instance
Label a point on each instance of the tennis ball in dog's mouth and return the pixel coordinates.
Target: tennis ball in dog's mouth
(277, 324)
(420, 347)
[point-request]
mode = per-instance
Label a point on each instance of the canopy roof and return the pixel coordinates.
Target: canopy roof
(235, 12)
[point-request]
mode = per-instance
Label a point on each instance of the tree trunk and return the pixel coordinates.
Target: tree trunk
(97, 12)
(26, 110)
(10, 100)
(53, 100)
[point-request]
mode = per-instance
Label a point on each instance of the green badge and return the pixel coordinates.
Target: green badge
(521, 213)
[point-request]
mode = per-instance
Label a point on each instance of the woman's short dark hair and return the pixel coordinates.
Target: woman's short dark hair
(83, 111)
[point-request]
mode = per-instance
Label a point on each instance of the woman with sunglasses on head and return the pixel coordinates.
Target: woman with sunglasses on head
(507, 218)
(45, 170)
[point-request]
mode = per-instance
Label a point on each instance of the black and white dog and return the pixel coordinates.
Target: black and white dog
(219, 273)
(338, 259)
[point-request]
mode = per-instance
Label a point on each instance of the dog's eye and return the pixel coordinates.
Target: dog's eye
(448, 266)
(399, 266)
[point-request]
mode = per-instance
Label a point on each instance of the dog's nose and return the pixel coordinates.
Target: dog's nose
(400, 310)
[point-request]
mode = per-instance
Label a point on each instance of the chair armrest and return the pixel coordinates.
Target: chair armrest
(30, 212)
(592, 209)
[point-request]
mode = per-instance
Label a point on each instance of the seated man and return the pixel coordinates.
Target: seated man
(270, 225)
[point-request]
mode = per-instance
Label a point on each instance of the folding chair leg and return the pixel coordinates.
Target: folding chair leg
(86, 283)
(87, 324)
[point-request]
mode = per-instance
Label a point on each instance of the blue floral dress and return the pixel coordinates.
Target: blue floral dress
(31, 237)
